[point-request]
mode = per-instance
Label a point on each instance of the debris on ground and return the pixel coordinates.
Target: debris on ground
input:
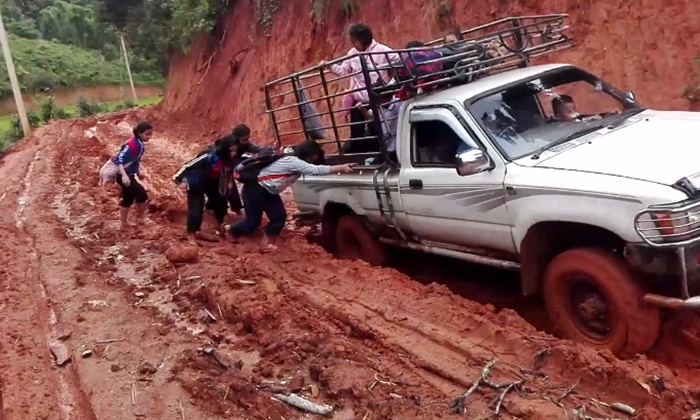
(221, 332)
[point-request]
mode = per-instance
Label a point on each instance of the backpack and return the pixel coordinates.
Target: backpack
(413, 66)
(247, 172)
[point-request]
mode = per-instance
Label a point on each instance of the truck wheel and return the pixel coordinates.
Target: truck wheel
(591, 296)
(354, 242)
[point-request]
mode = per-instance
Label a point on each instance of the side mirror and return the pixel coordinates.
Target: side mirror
(630, 95)
(472, 162)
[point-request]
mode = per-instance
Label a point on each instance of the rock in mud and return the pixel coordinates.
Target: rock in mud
(115, 367)
(147, 369)
(60, 352)
(184, 254)
(111, 353)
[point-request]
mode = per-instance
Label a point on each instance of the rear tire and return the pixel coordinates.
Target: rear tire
(355, 242)
(586, 283)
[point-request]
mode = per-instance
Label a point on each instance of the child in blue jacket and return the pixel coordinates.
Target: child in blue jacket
(207, 176)
(128, 162)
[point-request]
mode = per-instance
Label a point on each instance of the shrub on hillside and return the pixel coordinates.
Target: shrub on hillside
(127, 104)
(15, 132)
(47, 109)
(86, 108)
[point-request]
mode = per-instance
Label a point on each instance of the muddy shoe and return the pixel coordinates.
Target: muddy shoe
(228, 236)
(207, 237)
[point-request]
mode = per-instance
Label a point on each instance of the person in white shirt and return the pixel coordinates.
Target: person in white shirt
(379, 55)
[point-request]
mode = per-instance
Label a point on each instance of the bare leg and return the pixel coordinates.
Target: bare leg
(124, 216)
(141, 211)
(268, 243)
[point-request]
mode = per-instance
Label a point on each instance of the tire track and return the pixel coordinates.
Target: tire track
(73, 400)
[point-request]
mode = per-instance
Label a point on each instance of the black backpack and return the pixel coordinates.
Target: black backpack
(248, 171)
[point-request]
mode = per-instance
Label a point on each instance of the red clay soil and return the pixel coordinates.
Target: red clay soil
(220, 329)
(648, 47)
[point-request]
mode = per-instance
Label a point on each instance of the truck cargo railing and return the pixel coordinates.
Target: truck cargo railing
(306, 104)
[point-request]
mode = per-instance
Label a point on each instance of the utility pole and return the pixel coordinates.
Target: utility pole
(128, 69)
(16, 91)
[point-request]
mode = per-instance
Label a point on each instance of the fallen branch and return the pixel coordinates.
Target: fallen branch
(114, 340)
(459, 404)
(378, 381)
(210, 315)
(304, 404)
(616, 406)
(182, 409)
(568, 392)
(134, 393)
(506, 390)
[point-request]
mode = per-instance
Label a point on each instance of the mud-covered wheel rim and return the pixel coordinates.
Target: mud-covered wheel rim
(589, 308)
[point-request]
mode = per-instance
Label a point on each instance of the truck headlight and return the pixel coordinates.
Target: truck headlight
(668, 223)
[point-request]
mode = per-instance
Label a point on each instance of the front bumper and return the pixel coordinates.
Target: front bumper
(671, 251)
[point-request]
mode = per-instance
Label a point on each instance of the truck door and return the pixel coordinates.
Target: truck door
(440, 204)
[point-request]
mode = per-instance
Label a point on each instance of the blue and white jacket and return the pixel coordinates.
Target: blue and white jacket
(130, 155)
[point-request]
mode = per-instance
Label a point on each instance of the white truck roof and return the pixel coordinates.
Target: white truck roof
(467, 91)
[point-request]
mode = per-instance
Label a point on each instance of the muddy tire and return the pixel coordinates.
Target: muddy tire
(355, 242)
(591, 297)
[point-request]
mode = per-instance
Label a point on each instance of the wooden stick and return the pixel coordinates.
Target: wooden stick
(209, 314)
(182, 409)
(114, 340)
(304, 404)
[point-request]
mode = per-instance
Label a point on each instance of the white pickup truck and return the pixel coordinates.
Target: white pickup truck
(544, 169)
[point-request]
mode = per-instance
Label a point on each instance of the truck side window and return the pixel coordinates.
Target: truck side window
(434, 143)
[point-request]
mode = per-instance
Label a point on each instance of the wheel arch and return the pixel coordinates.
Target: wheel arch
(545, 240)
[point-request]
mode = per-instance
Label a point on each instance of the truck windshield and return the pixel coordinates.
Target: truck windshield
(525, 117)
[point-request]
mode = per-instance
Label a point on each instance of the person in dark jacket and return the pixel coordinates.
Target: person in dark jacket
(263, 195)
(207, 177)
(128, 162)
(245, 147)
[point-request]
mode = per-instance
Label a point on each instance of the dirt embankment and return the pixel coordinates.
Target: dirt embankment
(647, 47)
(159, 329)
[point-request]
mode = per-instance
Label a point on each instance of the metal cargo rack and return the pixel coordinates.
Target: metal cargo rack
(509, 43)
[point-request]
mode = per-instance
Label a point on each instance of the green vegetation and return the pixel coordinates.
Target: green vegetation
(64, 43)
(44, 64)
(47, 110)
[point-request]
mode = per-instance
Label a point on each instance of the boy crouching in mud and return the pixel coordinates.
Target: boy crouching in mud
(264, 177)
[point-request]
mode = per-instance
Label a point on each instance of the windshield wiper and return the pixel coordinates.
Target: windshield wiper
(567, 138)
(624, 115)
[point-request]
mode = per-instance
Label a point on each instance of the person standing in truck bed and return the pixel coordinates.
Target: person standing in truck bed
(362, 40)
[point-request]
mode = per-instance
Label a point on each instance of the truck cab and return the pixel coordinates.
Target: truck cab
(544, 169)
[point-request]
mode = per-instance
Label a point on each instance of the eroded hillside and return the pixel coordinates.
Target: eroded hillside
(644, 46)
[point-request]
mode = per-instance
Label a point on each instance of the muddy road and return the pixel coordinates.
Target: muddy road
(103, 324)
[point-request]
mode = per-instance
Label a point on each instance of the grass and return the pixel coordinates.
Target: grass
(42, 64)
(6, 121)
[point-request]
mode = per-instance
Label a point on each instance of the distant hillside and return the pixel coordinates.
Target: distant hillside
(41, 64)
